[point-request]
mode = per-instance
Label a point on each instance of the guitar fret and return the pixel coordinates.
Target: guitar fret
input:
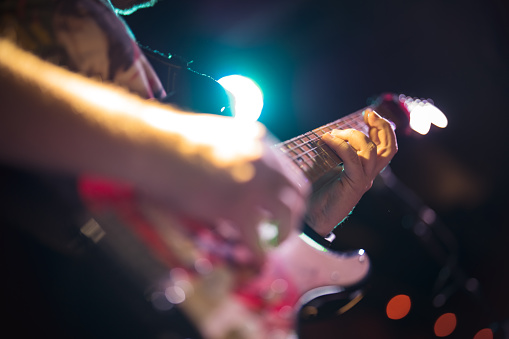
(314, 150)
(311, 154)
(323, 152)
(300, 153)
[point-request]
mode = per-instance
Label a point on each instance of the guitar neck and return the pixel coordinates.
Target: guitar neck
(312, 155)
(319, 162)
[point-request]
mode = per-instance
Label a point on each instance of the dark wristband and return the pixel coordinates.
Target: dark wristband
(311, 233)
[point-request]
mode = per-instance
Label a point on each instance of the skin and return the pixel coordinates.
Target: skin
(363, 157)
(179, 162)
(75, 125)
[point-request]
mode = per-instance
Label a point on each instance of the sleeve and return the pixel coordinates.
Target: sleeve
(84, 36)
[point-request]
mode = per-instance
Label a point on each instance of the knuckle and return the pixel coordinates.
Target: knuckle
(390, 151)
(352, 154)
(355, 133)
(341, 146)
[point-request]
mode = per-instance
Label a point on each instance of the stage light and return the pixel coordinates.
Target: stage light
(423, 113)
(398, 307)
(445, 324)
(247, 96)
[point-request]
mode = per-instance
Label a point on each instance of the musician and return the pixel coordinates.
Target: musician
(79, 97)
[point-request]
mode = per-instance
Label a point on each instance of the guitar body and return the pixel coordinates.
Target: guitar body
(172, 262)
(178, 262)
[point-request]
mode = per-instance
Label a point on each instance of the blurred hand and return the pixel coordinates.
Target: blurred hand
(208, 167)
(227, 171)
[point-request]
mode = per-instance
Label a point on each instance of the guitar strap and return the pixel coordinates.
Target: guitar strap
(187, 88)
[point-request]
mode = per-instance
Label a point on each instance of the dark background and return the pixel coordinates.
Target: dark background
(319, 60)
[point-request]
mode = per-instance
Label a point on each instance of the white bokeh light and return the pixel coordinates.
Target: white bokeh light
(423, 114)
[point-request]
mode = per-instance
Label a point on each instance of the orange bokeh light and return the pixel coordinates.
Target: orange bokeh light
(398, 307)
(485, 333)
(445, 324)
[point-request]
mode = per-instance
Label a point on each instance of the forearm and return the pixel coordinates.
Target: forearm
(210, 167)
(56, 120)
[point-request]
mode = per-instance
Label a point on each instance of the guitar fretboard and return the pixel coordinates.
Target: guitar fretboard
(311, 154)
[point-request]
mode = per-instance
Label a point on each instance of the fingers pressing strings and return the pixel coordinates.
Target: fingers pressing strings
(356, 149)
(382, 134)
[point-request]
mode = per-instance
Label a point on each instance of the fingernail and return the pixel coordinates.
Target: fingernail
(377, 115)
(338, 133)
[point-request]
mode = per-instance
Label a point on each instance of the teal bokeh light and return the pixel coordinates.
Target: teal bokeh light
(247, 96)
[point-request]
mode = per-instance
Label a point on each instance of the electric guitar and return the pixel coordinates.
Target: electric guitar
(179, 262)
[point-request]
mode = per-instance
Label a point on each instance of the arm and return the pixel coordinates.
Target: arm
(363, 158)
(213, 167)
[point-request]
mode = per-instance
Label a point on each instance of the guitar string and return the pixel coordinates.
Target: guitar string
(354, 120)
(298, 152)
(314, 153)
(286, 146)
(338, 124)
(311, 139)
